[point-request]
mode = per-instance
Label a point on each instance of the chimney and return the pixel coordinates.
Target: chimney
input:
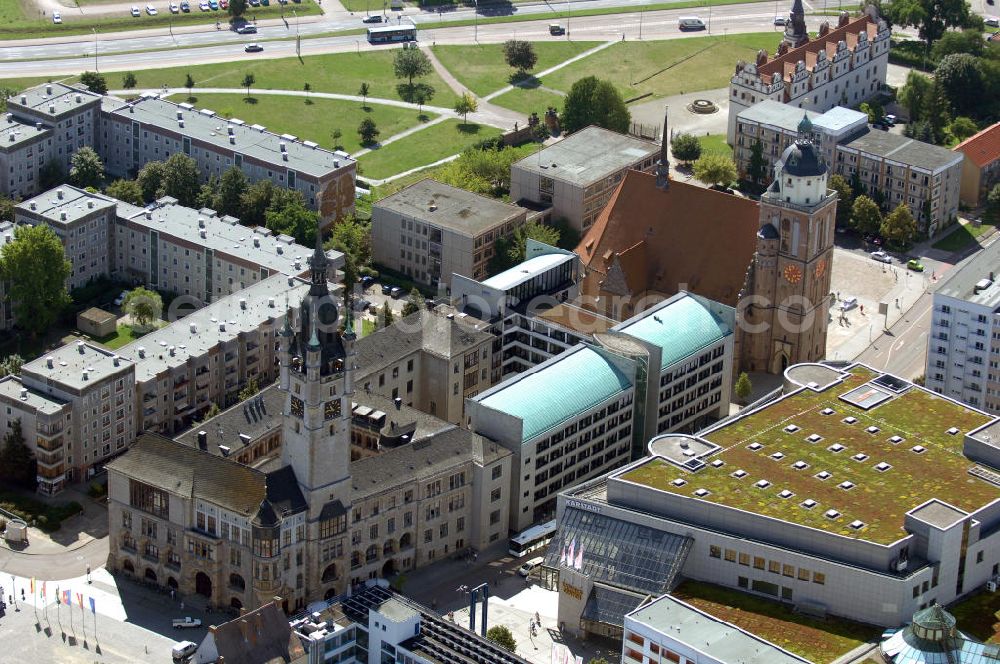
(115, 360)
(663, 166)
(52, 109)
(172, 350)
(24, 394)
(180, 114)
(201, 222)
(142, 351)
(284, 156)
(270, 303)
(243, 303)
(48, 89)
(194, 328)
(90, 205)
(59, 194)
(232, 140)
(62, 216)
(202, 440)
(180, 123)
(38, 126)
(49, 362)
(24, 99)
(256, 241)
(203, 233)
(79, 346)
(32, 205)
(79, 98)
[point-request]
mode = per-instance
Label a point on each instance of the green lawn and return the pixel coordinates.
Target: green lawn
(35, 512)
(657, 68)
(979, 616)
(18, 25)
(715, 143)
(532, 100)
(482, 69)
(367, 327)
(961, 237)
(122, 336)
(340, 73)
(424, 147)
(818, 640)
(315, 121)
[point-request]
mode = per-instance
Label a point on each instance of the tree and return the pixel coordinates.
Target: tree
(962, 128)
(255, 201)
(466, 104)
(592, 101)
(363, 92)
(866, 216)
(352, 237)
(962, 79)
(35, 267)
(509, 251)
(181, 178)
(189, 84)
(936, 111)
(7, 208)
(520, 55)
(368, 131)
(51, 174)
(421, 96)
(95, 82)
(931, 17)
(336, 135)
(685, 147)
(208, 194)
(250, 390)
(411, 63)
(86, 169)
(757, 166)
(294, 219)
(150, 180)
(212, 411)
(501, 635)
(415, 303)
(964, 41)
(17, 463)
(715, 169)
(128, 80)
(11, 365)
(248, 81)
(899, 227)
(306, 87)
(598, 660)
(743, 387)
(912, 94)
(126, 190)
(385, 317)
(237, 8)
(232, 186)
(845, 198)
(143, 305)
(993, 204)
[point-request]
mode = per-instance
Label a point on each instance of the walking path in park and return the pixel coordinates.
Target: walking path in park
(511, 117)
(564, 63)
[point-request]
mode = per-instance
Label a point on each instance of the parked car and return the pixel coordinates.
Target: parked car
(214, 5)
(367, 281)
(121, 298)
(881, 256)
(361, 305)
(183, 650)
(395, 292)
(253, 48)
(890, 120)
(848, 303)
(386, 289)
(185, 6)
(254, 3)
(556, 29)
(174, 8)
(56, 17)
(179, 623)
(992, 21)
(203, 6)
(780, 20)
(526, 569)
(135, 11)
(223, 4)
(915, 265)
(151, 10)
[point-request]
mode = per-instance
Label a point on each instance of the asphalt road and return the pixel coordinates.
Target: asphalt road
(903, 349)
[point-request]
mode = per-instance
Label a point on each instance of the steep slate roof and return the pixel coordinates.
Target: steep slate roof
(283, 492)
(984, 147)
(685, 237)
(255, 418)
(261, 636)
(160, 462)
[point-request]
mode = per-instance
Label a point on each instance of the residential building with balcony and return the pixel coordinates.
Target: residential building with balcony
(577, 175)
(46, 424)
(841, 66)
(963, 346)
(429, 231)
(980, 165)
(6, 306)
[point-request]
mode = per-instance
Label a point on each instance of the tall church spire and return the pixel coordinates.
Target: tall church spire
(318, 263)
(795, 29)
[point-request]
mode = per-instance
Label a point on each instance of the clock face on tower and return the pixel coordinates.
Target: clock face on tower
(792, 274)
(297, 408)
(331, 409)
(820, 268)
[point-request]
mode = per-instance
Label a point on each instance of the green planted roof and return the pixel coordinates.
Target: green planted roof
(681, 328)
(557, 392)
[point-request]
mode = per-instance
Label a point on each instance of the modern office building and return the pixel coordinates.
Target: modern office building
(852, 493)
(671, 630)
(577, 175)
(429, 231)
(50, 122)
(980, 164)
(592, 407)
(841, 66)
(964, 341)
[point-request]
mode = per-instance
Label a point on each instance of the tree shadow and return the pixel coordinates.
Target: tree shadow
(469, 128)
(250, 100)
(423, 117)
(192, 99)
(524, 80)
(412, 93)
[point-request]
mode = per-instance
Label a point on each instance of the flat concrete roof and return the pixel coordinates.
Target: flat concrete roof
(938, 514)
(14, 134)
(588, 155)
(961, 283)
(444, 206)
(73, 361)
(720, 640)
(775, 114)
(251, 140)
(68, 201)
(42, 98)
(528, 270)
(10, 389)
(838, 118)
(909, 151)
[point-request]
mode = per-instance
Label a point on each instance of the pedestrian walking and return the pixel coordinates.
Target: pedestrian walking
(171, 594)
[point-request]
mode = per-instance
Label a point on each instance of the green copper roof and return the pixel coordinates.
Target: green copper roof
(681, 327)
(573, 383)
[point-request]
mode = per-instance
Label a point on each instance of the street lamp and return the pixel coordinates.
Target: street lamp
(476, 18)
(569, 15)
(95, 49)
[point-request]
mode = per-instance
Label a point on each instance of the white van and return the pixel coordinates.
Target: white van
(527, 568)
(690, 23)
(183, 649)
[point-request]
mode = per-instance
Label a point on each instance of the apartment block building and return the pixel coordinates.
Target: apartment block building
(577, 175)
(594, 406)
(841, 66)
(6, 306)
(76, 408)
(892, 168)
(50, 122)
(429, 231)
(963, 348)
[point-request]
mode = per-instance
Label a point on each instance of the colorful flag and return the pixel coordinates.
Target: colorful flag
(43, 590)
(79, 600)
(32, 586)
(68, 598)
(93, 606)
(58, 596)
(578, 564)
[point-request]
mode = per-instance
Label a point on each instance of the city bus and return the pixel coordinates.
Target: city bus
(532, 539)
(387, 34)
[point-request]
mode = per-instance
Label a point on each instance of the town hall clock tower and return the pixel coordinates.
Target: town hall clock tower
(784, 307)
